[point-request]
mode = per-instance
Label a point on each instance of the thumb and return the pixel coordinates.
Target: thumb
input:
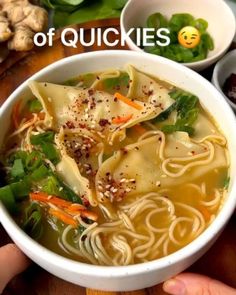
(193, 284)
(12, 262)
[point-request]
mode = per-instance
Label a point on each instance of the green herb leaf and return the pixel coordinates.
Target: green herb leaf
(187, 112)
(34, 106)
(40, 173)
(173, 128)
(7, 198)
(44, 137)
(32, 224)
(46, 142)
(156, 21)
(20, 189)
(17, 170)
(226, 183)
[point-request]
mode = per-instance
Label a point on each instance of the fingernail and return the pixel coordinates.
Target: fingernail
(174, 287)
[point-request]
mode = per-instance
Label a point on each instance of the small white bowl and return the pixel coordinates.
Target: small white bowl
(139, 276)
(220, 18)
(223, 69)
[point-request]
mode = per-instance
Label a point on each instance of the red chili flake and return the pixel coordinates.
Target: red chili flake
(103, 122)
(90, 91)
(82, 125)
(124, 151)
(150, 92)
(70, 125)
(115, 99)
(193, 152)
(85, 101)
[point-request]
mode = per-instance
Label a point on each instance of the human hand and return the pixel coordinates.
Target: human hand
(194, 284)
(12, 262)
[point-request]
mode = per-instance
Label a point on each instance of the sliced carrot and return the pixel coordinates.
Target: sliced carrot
(205, 212)
(83, 213)
(76, 207)
(139, 129)
(16, 113)
(128, 101)
(120, 120)
(67, 219)
(43, 197)
(89, 214)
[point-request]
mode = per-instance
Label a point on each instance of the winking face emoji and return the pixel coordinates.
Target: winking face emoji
(189, 37)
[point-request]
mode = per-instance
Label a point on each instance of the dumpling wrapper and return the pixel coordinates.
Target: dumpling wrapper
(146, 89)
(89, 108)
(138, 169)
(69, 171)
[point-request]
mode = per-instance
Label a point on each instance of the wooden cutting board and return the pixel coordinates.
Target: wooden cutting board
(219, 262)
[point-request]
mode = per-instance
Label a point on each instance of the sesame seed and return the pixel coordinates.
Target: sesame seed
(158, 183)
(123, 180)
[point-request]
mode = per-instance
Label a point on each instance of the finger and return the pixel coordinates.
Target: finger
(12, 262)
(193, 284)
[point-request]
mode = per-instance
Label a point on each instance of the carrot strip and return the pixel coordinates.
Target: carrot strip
(128, 101)
(82, 212)
(205, 212)
(89, 214)
(120, 120)
(16, 113)
(43, 197)
(63, 217)
(76, 207)
(139, 129)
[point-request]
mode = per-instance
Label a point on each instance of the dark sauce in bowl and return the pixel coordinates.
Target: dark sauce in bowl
(229, 87)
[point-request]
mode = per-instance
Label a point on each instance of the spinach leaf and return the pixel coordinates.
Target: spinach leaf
(186, 106)
(55, 186)
(46, 142)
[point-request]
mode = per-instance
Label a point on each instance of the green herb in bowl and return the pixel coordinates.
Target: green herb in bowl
(175, 50)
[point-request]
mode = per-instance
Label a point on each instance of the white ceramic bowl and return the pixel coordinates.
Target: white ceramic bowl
(143, 275)
(220, 18)
(223, 69)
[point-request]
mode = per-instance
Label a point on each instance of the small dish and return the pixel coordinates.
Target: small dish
(223, 69)
(220, 18)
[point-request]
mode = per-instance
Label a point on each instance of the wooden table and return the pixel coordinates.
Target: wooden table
(219, 262)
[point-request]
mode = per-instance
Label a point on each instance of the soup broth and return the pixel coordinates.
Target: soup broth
(114, 168)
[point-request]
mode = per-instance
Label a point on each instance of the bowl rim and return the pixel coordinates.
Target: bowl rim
(217, 69)
(189, 64)
(70, 265)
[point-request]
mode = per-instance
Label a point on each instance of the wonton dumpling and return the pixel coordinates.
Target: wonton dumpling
(144, 88)
(69, 171)
(138, 168)
(90, 109)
